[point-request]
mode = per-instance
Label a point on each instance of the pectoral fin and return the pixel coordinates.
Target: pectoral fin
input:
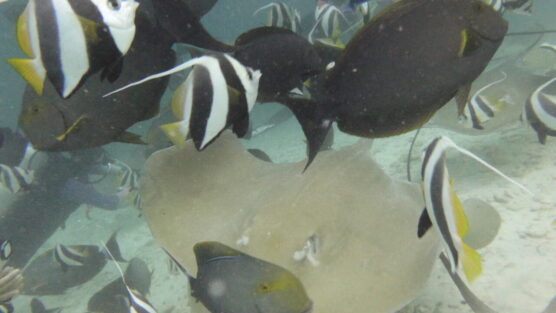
(424, 224)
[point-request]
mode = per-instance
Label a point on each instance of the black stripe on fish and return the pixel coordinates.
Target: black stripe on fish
(202, 100)
(436, 190)
(5, 249)
(427, 156)
(540, 112)
(138, 303)
(485, 108)
(473, 115)
(49, 42)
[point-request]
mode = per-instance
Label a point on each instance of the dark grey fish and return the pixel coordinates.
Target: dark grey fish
(233, 282)
(111, 298)
(46, 276)
(393, 76)
(5, 249)
(38, 307)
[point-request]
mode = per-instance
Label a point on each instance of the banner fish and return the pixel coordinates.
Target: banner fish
(135, 301)
(444, 210)
(328, 19)
(234, 282)
(480, 109)
(13, 179)
(56, 270)
(540, 111)
(393, 76)
(281, 15)
(68, 40)
(218, 93)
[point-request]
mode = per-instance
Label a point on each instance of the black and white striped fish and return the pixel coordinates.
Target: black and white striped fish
(13, 179)
(480, 108)
(540, 111)
(5, 249)
(444, 210)
(281, 15)
(136, 302)
(6, 308)
(129, 179)
(67, 40)
(68, 256)
(328, 18)
(218, 93)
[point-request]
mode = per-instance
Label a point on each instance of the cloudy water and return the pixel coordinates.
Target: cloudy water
(278, 157)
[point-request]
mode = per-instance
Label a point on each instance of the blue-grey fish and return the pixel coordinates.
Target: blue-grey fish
(233, 282)
(69, 256)
(67, 40)
(540, 111)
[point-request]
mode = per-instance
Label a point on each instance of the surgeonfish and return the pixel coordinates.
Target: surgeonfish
(135, 301)
(112, 297)
(540, 111)
(234, 282)
(281, 15)
(6, 308)
(67, 41)
(444, 210)
(46, 275)
(481, 108)
(328, 19)
(219, 92)
(286, 60)
(392, 76)
(13, 179)
(5, 249)
(38, 307)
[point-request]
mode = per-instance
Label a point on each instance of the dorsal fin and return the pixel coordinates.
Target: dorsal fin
(260, 32)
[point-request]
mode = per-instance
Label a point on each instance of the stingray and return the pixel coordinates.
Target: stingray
(345, 228)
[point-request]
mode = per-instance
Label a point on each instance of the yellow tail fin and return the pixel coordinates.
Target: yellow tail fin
(176, 132)
(31, 72)
(462, 225)
(471, 261)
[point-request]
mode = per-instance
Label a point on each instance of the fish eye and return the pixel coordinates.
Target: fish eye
(113, 4)
(264, 287)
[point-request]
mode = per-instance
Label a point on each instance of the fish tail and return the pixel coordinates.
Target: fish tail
(314, 122)
(471, 261)
(176, 132)
(31, 71)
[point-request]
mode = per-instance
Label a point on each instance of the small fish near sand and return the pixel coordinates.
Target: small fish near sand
(14, 179)
(135, 301)
(67, 41)
(481, 108)
(63, 267)
(444, 210)
(281, 15)
(231, 281)
(540, 111)
(391, 77)
(218, 93)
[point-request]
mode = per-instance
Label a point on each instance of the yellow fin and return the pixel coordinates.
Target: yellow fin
(176, 132)
(90, 29)
(471, 261)
(462, 225)
(23, 34)
(70, 129)
(178, 99)
(27, 68)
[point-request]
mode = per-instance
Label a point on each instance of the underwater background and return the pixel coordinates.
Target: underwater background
(519, 265)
